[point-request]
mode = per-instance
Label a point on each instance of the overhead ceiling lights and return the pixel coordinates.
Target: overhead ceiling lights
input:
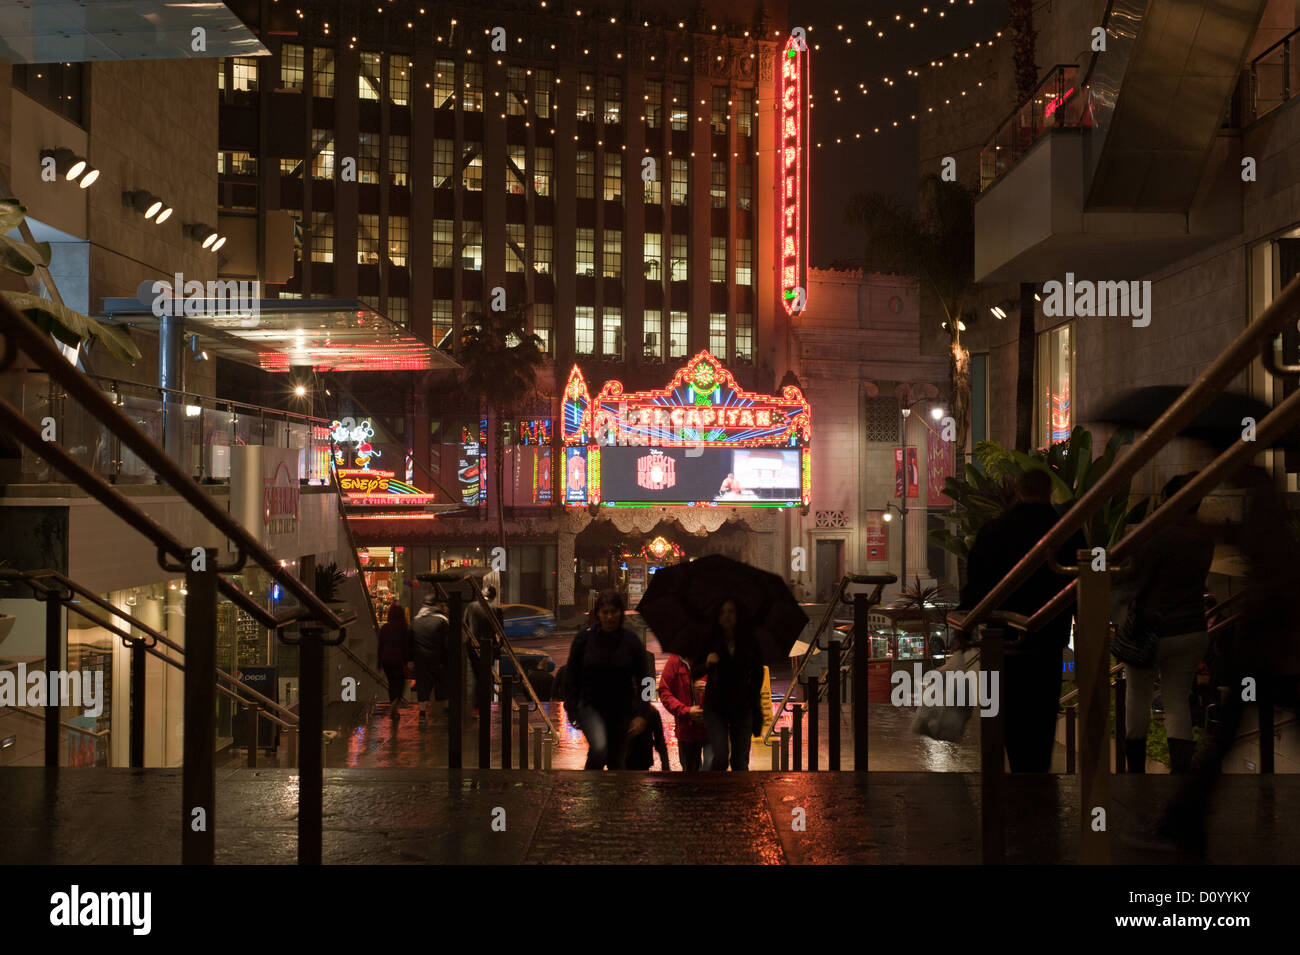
(71, 166)
(148, 205)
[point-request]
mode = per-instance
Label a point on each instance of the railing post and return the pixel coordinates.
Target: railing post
(136, 740)
(485, 651)
(1121, 722)
(291, 747)
(992, 742)
(547, 746)
(810, 694)
(53, 663)
(537, 747)
(456, 705)
(1092, 658)
(796, 723)
(507, 698)
(1071, 745)
(250, 734)
(311, 710)
(523, 734)
(199, 781)
(861, 656)
(785, 749)
(833, 703)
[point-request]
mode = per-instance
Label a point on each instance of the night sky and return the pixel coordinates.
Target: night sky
(887, 161)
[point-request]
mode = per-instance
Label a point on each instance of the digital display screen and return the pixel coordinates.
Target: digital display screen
(728, 476)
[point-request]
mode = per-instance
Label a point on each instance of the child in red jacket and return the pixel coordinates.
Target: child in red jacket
(682, 697)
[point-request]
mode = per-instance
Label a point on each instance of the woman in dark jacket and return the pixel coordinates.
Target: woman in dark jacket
(603, 684)
(732, 708)
(394, 651)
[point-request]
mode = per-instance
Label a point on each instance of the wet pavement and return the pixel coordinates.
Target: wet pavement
(124, 816)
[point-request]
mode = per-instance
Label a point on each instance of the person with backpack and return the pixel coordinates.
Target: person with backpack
(395, 650)
(603, 683)
(430, 631)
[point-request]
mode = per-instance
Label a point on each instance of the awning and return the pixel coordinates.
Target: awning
(79, 31)
(277, 334)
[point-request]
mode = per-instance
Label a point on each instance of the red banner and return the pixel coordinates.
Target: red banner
(913, 473)
(938, 467)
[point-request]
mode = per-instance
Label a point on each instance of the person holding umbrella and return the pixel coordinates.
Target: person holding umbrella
(606, 670)
(732, 708)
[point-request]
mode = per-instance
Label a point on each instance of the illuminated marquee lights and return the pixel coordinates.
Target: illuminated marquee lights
(792, 175)
(379, 488)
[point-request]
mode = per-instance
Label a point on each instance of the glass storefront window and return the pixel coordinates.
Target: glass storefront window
(1053, 373)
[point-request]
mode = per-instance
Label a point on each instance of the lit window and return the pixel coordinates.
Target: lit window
(289, 167)
(744, 342)
(586, 98)
(586, 255)
(718, 184)
(654, 104)
(472, 167)
(443, 156)
(744, 186)
(442, 322)
(744, 112)
(613, 100)
(471, 246)
(543, 249)
(322, 148)
(653, 255)
(744, 261)
(680, 107)
(244, 73)
(544, 325)
(654, 334)
(399, 310)
(612, 263)
(719, 110)
(370, 72)
(654, 188)
(516, 178)
(613, 176)
(442, 231)
(517, 91)
(399, 80)
(322, 71)
(679, 182)
(291, 66)
(584, 330)
(472, 100)
(586, 174)
(367, 239)
(399, 158)
(680, 271)
(543, 93)
(367, 157)
(611, 332)
(718, 335)
(677, 335)
(543, 169)
(444, 84)
(515, 254)
(322, 237)
(399, 239)
(717, 259)
(241, 163)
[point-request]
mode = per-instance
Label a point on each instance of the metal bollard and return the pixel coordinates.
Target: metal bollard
(547, 746)
(250, 731)
(774, 746)
(796, 722)
(507, 699)
(537, 747)
(833, 704)
(291, 747)
(860, 682)
(814, 744)
(1121, 721)
(785, 749)
(523, 735)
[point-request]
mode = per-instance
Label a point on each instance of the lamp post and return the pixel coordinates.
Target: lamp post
(904, 413)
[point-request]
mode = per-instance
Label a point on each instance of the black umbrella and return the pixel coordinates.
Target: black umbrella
(681, 606)
(1219, 424)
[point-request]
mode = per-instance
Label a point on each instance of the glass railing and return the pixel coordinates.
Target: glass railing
(209, 428)
(1057, 103)
(1273, 76)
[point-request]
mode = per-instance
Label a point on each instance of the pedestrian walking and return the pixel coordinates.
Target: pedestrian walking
(678, 694)
(1167, 594)
(1031, 676)
(732, 695)
(642, 747)
(430, 631)
(395, 651)
(479, 620)
(603, 684)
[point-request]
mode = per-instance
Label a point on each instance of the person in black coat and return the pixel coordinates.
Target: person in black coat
(641, 748)
(603, 682)
(1031, 676)
(430, 631)
(732, 696)
(395, 650)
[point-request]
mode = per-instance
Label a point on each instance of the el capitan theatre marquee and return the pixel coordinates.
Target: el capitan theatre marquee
(700, 442)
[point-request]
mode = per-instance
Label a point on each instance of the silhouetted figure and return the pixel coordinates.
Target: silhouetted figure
(603, 683)
(733, 693)
(394, 652)
(642, 747)
(430, 631)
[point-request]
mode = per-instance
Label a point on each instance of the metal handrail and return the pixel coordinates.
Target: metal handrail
(229, 403)
(828, 615)
(1254, 338)
(66, 725)
(510, 651)
(19, 332)
(1286, 39)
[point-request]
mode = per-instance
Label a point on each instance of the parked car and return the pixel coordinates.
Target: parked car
(525, 620)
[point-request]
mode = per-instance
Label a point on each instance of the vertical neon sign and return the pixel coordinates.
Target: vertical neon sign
(792, 175)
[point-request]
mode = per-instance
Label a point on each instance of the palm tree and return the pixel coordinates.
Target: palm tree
(938, 246)
(501, 358)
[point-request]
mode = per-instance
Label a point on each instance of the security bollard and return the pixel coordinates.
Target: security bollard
(507, 698)
(814, 744)
(250, 734)
(785, 749)
(523, 734)
(796, 722)
(291, 747)
(833, 703)
(537, 747)
(775, 748)
(546, 752)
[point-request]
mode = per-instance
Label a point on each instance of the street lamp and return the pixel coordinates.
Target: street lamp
(904, 413)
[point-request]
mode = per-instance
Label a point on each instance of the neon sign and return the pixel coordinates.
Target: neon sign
(347, 432)
(1057, 102)
(361, 486)
(792, 175)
